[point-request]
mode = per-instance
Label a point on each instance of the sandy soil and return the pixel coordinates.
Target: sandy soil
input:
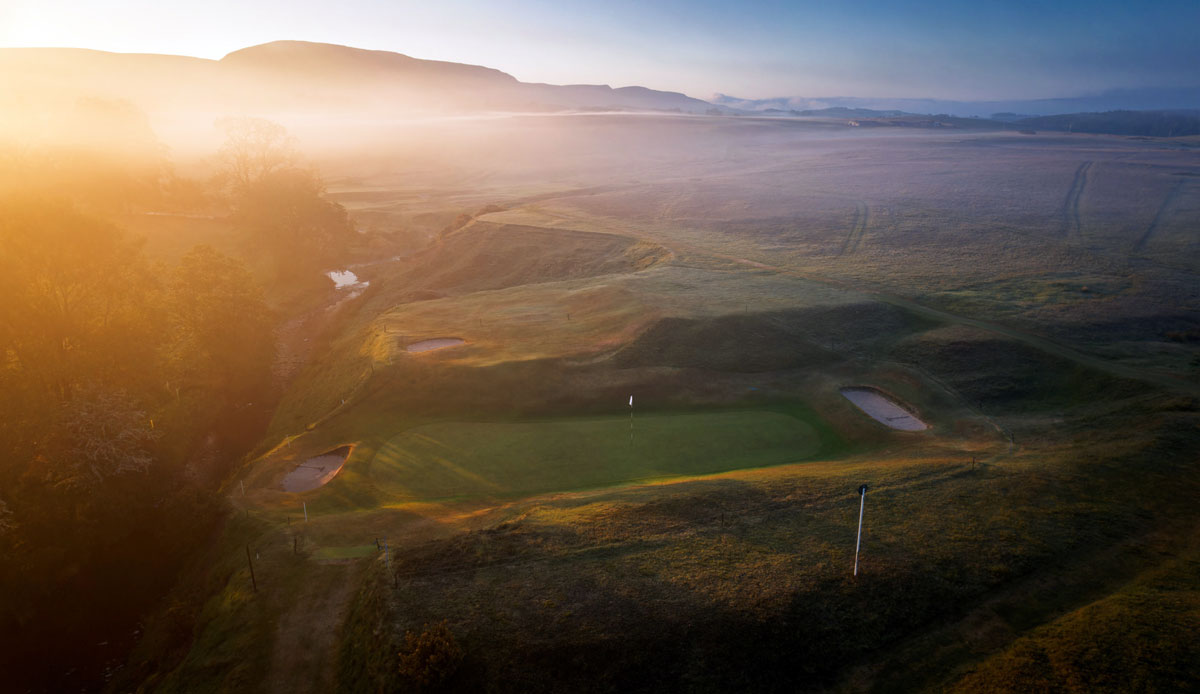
(883, 410)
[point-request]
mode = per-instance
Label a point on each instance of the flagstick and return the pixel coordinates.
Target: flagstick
(862, 493)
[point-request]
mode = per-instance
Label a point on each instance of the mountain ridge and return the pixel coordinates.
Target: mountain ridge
(307, 74)
(44, 87)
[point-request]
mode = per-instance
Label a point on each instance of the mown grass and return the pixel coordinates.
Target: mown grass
(504, 459)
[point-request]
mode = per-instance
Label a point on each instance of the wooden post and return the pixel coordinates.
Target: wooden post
(250, 563)
(295, 548)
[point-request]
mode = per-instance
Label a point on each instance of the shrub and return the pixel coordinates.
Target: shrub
(429, 659)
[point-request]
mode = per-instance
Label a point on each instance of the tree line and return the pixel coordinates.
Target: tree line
(131, 387)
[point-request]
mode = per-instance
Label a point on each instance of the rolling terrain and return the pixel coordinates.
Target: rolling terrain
(1023, 295)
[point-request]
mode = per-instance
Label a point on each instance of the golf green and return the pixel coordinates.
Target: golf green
(456, 459)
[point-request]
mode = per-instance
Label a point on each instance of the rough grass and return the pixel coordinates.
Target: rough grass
(1001, 376)
(738, 581)
(1140, 638)
(485, 256)
(742, 582)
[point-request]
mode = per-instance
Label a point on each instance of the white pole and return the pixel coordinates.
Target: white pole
(306, 520)
(862, 493)
(243, 485)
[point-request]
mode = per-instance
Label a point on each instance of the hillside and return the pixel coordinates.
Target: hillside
(297, 75)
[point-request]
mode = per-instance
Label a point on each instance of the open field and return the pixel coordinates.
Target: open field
(1033, 299)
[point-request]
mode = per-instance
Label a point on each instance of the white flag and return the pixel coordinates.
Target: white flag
(631, 401)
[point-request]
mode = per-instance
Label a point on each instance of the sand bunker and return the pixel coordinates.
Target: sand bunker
(316, 471)
(882, 409)
(436, 343)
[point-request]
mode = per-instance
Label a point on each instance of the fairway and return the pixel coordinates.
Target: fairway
(461, 459)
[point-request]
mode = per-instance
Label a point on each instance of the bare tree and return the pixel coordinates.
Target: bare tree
(254, 148)
(107, 434)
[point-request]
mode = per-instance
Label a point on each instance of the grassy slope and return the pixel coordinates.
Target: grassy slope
(742, 581)
(1140, 637)
(711, 581)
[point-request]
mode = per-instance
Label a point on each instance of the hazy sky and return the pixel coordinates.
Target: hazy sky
(965, 49)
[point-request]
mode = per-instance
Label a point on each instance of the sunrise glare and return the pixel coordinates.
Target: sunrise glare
(571, 346)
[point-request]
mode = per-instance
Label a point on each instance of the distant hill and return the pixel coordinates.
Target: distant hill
(295, 75)
(1160, 99)
(1145, 123)
(41, 90)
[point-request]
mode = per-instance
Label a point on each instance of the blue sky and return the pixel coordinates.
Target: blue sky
(759, 48)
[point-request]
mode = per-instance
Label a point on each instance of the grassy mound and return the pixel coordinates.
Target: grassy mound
(769, 341)
(739, 343)
(1005, 376)
(494, 256)
(455, 459)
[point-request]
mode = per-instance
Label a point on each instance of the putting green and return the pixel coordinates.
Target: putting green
(457, 459)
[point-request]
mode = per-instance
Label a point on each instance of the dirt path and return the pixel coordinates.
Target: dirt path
(304, 655)
(306, 639)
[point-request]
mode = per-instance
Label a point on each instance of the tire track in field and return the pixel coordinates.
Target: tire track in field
(1165, 380)
(1168, 204)
(1072, 228)
(862, 215)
